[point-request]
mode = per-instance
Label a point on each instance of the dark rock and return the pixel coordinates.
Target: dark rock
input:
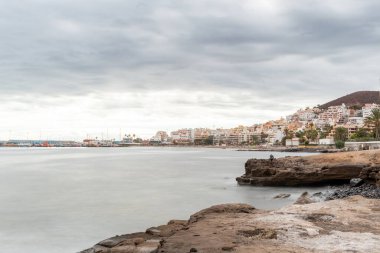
(259, 233)
(282, 196)
(304, 199)
(371, 174)
(318, 197)
(228, 248)
(355, 182)
(177, 222)
(193, 250)
(319, 217)
(366, 190)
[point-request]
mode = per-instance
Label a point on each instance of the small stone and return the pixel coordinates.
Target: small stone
(228, 248)
(193, 250)
(282, 196)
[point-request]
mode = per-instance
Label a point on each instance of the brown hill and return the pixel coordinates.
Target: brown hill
(356, 98)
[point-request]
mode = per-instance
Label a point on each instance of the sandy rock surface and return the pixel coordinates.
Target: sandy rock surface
(344, 225)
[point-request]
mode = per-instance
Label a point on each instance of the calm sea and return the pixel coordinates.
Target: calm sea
(67, 199)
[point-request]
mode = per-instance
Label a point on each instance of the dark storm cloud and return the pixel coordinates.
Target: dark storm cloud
(279, 48)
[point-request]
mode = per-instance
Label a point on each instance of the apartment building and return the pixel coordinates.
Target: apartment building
(367, 109)
(334, 114)
(183, 136)
(160, 136)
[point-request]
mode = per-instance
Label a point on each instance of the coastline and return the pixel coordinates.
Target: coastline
(299, 227)
(236, 148)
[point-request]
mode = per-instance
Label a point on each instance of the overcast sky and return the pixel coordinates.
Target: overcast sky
(74, 68)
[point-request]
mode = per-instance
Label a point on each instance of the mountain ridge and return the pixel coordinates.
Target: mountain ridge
(356, 98)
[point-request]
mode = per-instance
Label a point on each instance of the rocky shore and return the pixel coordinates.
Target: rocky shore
(337, 168)
(346, 218)
(346, 225)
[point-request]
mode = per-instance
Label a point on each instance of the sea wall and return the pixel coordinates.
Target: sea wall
(356, 146)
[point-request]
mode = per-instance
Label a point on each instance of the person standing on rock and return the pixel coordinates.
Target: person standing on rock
(271, 158)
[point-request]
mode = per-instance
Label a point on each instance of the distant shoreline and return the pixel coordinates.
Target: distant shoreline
(237, 148)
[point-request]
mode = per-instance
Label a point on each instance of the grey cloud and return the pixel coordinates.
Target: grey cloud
(247, 101)
(78, 47)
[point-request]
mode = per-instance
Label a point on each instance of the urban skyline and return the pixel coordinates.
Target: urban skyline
(273, 132)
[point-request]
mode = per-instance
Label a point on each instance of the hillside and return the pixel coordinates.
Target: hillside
(356, 98)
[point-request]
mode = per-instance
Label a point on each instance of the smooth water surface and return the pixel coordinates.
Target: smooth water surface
(67, 199)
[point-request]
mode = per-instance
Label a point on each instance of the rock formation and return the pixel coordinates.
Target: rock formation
(345, 225)
(312, 170)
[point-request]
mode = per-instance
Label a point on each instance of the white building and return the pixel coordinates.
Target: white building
(306, 115)
(275, 135)
(367, 109)
(90, 143)
(334, 114)
(183, 135)
(161, 136)
(201, 133)
(220, 136)
(326, 141)
(294, 142)
(356, 120)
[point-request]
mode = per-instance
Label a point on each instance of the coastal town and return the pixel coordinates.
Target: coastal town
(131, 126)
(312, 126)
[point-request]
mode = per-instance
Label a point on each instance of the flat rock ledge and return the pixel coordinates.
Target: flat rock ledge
(335, 168)
(344, 225)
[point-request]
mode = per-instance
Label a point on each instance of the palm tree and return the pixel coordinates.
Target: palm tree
(341, 134)
(374, 122)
